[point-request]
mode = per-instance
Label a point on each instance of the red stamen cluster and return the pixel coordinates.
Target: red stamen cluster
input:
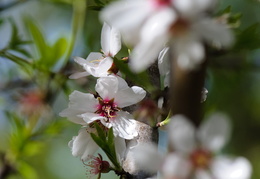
(107, 108)
(200, 158)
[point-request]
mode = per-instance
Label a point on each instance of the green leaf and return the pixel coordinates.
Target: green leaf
(100, 131)
(249, 38)
(59, 48)
(27, 171)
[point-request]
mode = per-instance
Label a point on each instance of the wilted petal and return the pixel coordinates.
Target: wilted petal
(181, 134)
(79, 103)
(176, 166)
(107, 87)
(147, 158)
(228, 168)
(123, 125)
(83, 145)
(129, 96)
(215, 132)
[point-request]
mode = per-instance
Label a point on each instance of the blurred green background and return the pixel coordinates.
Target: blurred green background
(38, 39)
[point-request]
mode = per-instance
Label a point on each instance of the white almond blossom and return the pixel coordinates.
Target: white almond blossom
(182, 24)
(113, 95)
(195, 153)
(98, 64)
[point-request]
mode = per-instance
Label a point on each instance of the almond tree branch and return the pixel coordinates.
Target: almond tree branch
(185, 92)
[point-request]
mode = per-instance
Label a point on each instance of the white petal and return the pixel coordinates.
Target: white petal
(102, 69)
(107, 87)
(80, 61)
(154, 36)
(203, 174)
(191, 8)
(79, 75)
(181, 134)
(115, 41)
(147, 158)
(190, 52)
(227, 168)
(83, 145)
(120, 146)
(124, 125)
(93, 59)
(176, 166)
(214, 32)
(129, 96)
(79, 103)
(215, 132)
(105, 38)
(97, 65)
(163, 61)
(91, 117)
(127, 16)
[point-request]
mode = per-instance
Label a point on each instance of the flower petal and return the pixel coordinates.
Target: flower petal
(228, 168)
(154, 36)
(115, 42)
(203, 174)
(91, 117)
(181, 134)
(214, 32)
(123, 125)
(107, 87)
(83, 145)
(127, 16)
(105, 38)
(79, 103)
(193, 8)
(129, 96)
(190, 52)
(215, 132)
(176, 166)
(120, 146)
(147, 158)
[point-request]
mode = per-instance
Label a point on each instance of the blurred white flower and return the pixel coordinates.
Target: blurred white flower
(195, 152)
(98, 64)
(151, 24)
(113, 95)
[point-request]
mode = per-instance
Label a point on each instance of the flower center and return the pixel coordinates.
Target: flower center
(107, 108)
(180, 27)
(200, 158)
(161, 3)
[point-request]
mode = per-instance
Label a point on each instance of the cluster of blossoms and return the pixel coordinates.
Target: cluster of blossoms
(105, 107)
(157, 30)
(150, 25)
(196, 153)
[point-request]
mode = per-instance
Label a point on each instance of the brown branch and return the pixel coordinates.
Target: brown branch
(185, 92)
